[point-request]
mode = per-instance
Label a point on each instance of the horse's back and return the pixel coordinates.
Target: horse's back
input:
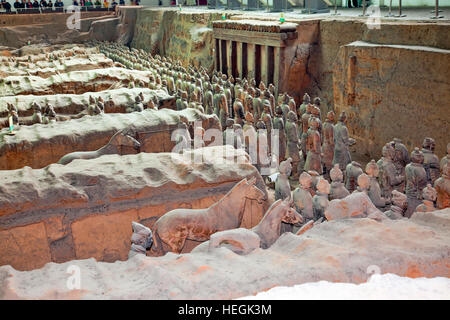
(179, 216)
(77, 155)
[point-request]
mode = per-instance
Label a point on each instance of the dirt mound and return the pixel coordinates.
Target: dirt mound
(347, 250)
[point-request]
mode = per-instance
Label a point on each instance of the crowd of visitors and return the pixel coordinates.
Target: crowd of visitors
(18, 5)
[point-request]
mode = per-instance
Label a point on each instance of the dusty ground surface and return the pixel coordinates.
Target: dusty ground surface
(348, 250)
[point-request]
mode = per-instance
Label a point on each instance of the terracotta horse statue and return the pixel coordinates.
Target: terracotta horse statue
(171, 231)
(269, 228)
(114, 146)
(263, 235)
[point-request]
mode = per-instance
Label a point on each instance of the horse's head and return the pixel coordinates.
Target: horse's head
(124, 140)
(290, 215)
(252, 192)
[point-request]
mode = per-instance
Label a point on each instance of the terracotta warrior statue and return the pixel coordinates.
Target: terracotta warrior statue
(320, 200)
(280, 133)
(374, 191)
(13, 113)
(267, 119)
(317, 103)
(398, 207)
(416, 180)
(342, 143)
(37, 113)
(388, 177)
(285, 106)
(430, 160)
(302, 197)
(282, 185)
(315, 176)
(221, 106)
(401, 159)
(328, 143)
(208, 99)
(352, 172)
(263, 160)
(228, 133)
(315, 112)
(292, 143)
(256, 107)
(271, 99)
(181, 101)
(49, 114)
(313, 147)
(250, 136)
(305, 127)
(152, 103)
(442, 186)
(337, 189)
(445, 159)
(429, 195)
(137, 106)
(306, 101)
(363, 183)
(229, 96)
(238, 111)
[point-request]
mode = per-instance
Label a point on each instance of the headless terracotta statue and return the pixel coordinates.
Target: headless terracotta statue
(353, 170)
(430, 160)
(429, 195)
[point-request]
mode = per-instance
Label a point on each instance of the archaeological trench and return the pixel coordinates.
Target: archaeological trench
(134, 146)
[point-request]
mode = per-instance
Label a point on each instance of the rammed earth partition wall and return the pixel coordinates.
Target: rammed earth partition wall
(39, 145)
(85, 209)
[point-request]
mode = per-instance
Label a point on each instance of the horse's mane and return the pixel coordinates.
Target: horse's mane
(232, 190)
(272, 207)
(115, 135)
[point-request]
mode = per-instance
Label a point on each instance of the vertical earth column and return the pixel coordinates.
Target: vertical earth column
(251, 56)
